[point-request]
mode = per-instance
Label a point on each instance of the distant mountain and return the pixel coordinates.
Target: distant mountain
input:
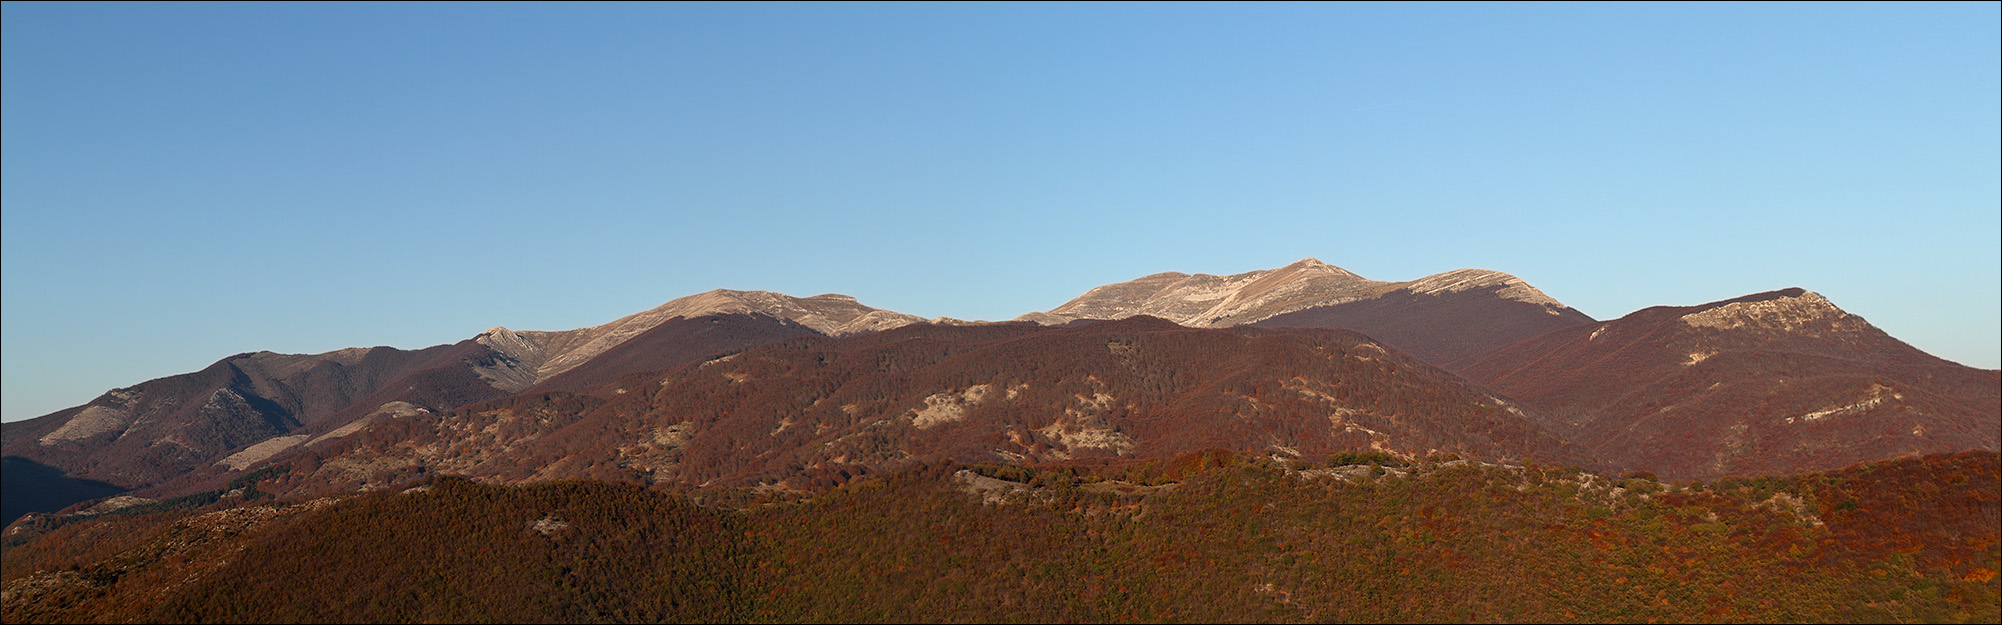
(1448, 319)
(250, 406)
(739, 387)
(141, 434)
(811, 412)
(674, 343)
(1207, 301)
(1298, 444)
(1770, 383)
(549, 354)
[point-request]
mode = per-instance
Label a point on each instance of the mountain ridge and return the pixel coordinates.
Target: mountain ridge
(1744, 384)
(830, 314)
(809, 412)
(261, 404)
(1204, 300)
(186, 425)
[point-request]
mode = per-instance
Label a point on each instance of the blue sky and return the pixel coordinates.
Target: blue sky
(183, 182)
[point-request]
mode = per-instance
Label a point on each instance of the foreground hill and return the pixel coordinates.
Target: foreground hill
(1210, 537)
(1770, 383)
(811, 412)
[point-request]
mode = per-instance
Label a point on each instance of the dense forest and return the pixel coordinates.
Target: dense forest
(1206, 537)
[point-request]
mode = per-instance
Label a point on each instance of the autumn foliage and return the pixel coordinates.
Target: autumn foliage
(1212, 536)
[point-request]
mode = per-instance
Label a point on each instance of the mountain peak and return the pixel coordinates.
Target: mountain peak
(1206, 301)
(1773, 382)
(1312, 263)
(1785, 310)
(509, 342)
(830, 314)
(1504, 285)
(1315, 266)
(720, 294)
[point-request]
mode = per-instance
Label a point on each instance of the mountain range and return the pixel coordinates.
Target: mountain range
(751, 388)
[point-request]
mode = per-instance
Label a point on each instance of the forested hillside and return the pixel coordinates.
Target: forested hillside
(1209, 537)
(809, 413)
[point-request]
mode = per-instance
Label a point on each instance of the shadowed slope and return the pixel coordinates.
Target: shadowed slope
(32, 487)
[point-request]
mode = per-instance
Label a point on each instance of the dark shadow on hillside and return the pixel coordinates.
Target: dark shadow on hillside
(28, 486)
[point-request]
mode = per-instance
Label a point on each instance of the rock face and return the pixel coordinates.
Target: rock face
(1776, 382)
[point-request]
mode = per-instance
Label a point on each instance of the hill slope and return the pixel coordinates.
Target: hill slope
(811, 412)
(1775, 382)
(184, 431)
(1450, 319)
(148, 432)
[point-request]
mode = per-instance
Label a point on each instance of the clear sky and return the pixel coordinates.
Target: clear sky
(183, 182)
